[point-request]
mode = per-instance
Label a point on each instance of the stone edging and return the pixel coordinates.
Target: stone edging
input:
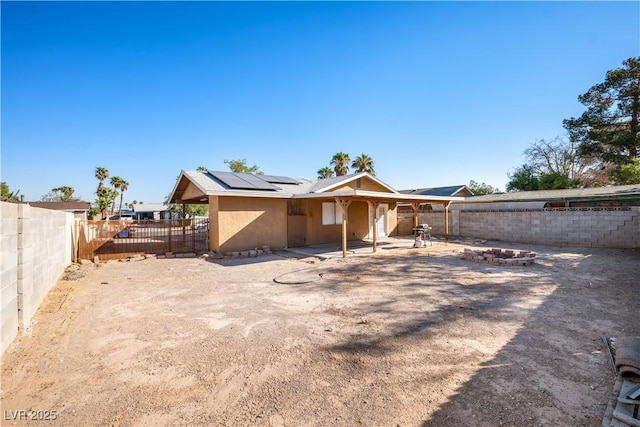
(500, 256)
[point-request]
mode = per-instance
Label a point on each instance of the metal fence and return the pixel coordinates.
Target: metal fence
(117, 239)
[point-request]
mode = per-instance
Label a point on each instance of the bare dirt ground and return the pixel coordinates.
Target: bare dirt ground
(411, 337)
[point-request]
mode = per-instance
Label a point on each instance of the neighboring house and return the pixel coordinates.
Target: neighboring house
(250, 211)
(612, 196)
(78, 209)
(452, 190)
(151, 211)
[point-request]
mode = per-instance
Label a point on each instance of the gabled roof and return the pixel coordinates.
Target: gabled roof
(617, 192)
(452, 190)
(195, 187)
(209, 185)
(327, 184)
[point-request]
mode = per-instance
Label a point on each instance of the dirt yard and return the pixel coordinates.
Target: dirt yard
(408, 337)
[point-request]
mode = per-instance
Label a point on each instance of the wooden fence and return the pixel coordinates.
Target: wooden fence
(119, 239)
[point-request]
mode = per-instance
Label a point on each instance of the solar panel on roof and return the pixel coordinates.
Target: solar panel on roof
(279, 179)
(242, 181)
(259, 183)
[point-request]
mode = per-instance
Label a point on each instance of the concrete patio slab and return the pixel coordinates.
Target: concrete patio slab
(359, 247)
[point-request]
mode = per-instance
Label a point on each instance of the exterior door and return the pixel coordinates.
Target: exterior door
(382, 222)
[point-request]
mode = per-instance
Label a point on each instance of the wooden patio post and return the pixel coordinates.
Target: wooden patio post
(446, 220)
(344, 208)
(374, 206)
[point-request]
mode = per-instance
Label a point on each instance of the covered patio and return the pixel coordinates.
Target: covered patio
(374, 199)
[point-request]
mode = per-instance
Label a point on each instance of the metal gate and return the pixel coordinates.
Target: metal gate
(118, 239)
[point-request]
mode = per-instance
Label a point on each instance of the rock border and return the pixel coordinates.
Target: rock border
(248, 254)
(500, 256)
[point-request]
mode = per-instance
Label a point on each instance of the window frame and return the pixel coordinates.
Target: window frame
(331, 213)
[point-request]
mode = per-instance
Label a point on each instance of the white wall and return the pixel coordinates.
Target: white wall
(8, 274)
(36, 248)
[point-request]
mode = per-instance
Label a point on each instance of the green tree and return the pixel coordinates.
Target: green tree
(340, 162)
(67, 192)
(479, 189)
(554, 181)
(202, 169)
(6, 195)
(325, 172)
(523, 179)
(106, 196)
(627, 174)
(116, 182)
(609, 130)
(60, 194)
(363, 163)
(190, 210)
(101, 175)
(124, 186)
(240, 166)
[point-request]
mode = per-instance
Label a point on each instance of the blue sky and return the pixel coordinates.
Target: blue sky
(437, 93)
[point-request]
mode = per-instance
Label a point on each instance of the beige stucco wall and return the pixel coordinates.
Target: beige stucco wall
(214, 235)
(364, 185)
(393, 219)
(357, 224)
(240, 224)
(192, 192)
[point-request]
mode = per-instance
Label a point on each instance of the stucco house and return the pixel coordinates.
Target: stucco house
(151, 211)
(249, 211)
(78, 209)
(450, 190)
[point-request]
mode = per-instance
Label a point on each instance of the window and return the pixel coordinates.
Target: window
(331, 213)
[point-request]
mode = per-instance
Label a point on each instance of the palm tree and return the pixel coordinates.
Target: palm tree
(124, 185)
(325, 172)
(115, 183)
(363, 163)
(101, 174)
(66, 193)
(340, 161)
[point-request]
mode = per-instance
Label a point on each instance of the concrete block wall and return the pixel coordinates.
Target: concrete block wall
(587, 228)
(38, 245)
(8, 274)
(436, 221)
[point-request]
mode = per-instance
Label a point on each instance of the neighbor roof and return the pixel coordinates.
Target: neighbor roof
(619, 192)
(150, 207)
(451, 190)
(62, 206)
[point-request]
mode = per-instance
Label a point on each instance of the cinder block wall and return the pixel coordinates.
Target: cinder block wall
(8, 274)
(573, 227)
(38, 247)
